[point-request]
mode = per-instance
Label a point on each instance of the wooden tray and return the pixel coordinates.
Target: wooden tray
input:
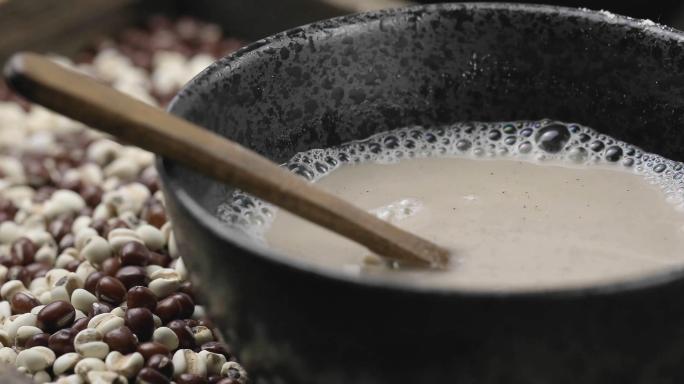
(65, 26)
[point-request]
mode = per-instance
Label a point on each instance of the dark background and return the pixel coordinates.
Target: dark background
(668, 12)
(65, 26)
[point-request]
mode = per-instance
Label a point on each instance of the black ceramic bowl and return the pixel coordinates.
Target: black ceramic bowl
(350, 77)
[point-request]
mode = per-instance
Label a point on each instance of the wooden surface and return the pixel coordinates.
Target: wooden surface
(254, 19)
(104, 108)
(64, 26)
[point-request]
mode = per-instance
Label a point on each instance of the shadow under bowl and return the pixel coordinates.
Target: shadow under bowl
(350, 77)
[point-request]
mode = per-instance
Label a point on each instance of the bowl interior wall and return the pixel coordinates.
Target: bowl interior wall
(328, 84)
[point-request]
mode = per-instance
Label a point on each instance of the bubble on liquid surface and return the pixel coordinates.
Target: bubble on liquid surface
(552, 138)
(613, 153)
(542, 141)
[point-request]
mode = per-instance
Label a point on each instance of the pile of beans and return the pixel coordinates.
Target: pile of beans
(93, 289)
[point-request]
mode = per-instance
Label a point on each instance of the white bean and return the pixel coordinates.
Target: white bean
(65, 363)
(96, 250)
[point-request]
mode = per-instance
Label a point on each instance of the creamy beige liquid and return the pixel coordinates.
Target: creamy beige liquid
(512, 224)
(552, 209)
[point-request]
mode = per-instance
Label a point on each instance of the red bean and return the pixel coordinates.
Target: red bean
(7, 210)
(56, 316)
(176, 306)
(153, 212)
(141, 297)
(62, 341)
(60, 226)
(114, 224)
(80, 324)
(134, 253)
(186, 287)
(23, 302)
(140, 321)
(37, 269)
(122, 340)
(186, 340)
(91, 194)
(160, 259)
(22, 251)
(152, 348)
(92, 280)
(72, 266)
(38, 340)
(100, 225)
(110, 290)
(111, 266)
(132, 276)
(162, 364)
(151, 376)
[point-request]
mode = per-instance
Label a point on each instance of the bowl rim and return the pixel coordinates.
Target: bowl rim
(210, 222)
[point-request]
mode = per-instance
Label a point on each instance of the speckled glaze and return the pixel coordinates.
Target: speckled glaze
(350, 77)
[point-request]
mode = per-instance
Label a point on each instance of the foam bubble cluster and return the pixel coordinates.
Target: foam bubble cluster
(398, 210)
(534, 141)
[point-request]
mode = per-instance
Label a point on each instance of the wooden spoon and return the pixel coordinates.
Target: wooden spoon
(99, 106)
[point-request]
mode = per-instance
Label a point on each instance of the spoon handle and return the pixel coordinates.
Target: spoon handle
(97, 105)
